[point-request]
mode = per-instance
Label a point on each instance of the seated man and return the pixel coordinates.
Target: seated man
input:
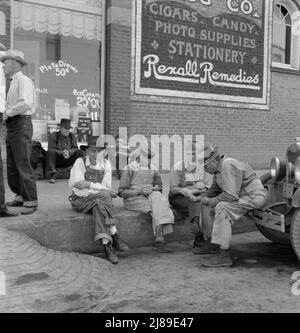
(62, 150)
(236, 189)
(141, 187)
(91, 193)
(186, 182)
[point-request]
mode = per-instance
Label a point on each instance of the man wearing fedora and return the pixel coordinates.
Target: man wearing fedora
(62, 149)
(4, 212)
(90, 181)
(20, 105)
(236, 189)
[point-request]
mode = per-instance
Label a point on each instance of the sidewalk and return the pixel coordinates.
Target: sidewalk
(57, 226)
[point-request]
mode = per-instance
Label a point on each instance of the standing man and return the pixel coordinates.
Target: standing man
(3, 209)
(236, 189)
(20, 105)
(62, 149)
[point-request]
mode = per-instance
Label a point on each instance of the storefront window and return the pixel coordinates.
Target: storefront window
(62, 45)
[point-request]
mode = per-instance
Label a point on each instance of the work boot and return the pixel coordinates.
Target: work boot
(199, 240)
(118, 244)
(162, 247)
(14, 203)
(220, 259)
(6, 213)
(206, 248)
(110, 254)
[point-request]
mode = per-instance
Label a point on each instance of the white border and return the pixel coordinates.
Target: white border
(214, 99)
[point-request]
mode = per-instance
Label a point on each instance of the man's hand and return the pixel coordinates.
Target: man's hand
(204, 200)
(4, 117)
(82, 185)
(147, 191)
(66, 154)
(113, 194)
(187, 193)
(156, 188)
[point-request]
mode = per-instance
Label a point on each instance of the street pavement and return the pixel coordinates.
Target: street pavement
(40, 280)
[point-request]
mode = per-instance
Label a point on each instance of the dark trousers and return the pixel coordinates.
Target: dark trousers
(57, 161)
(20, 174)
(2, 194)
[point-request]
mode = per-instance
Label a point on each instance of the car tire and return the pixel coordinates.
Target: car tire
(274, 235)
(295, 233)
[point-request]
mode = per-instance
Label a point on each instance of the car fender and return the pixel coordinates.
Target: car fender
(296, 199)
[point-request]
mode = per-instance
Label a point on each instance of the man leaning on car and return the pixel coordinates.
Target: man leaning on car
(236, 189)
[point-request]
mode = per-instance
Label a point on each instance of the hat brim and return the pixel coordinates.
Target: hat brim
(23, 62)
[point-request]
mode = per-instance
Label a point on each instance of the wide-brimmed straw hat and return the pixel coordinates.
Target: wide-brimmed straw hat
(14, 55)
(95, 142)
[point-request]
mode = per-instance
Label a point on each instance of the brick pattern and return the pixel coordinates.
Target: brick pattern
(38, 279)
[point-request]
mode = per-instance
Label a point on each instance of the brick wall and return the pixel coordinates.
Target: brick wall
(248, 134)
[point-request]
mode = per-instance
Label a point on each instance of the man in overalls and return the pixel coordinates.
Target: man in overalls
(236, 189)
(91, 182)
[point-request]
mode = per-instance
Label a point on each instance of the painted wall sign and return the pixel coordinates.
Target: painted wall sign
(87, 99)
(61, 68)
(203, 49)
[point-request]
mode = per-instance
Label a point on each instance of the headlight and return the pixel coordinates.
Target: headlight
(297, 170)
(277, 168)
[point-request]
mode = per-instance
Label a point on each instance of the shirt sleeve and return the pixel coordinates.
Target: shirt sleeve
(231, 183)
(124, 188)
(52, 143)
(27, 99)
(77, 172)
(232, 179)
(175, 181)
(214, 189)
(106, 182)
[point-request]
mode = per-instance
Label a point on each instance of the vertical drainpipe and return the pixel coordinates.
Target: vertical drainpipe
(103, 66)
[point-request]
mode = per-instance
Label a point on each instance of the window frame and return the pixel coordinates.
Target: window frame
(294, 64)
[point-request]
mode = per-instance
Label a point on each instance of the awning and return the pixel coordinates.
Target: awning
(33, 17)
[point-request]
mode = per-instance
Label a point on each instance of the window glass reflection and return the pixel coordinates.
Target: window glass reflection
(63, 51)
(281, 48)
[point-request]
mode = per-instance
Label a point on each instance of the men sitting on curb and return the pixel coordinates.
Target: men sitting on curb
(186, 182)
(141, 189)
(91, 193)
(236, 189)
(62, 150)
